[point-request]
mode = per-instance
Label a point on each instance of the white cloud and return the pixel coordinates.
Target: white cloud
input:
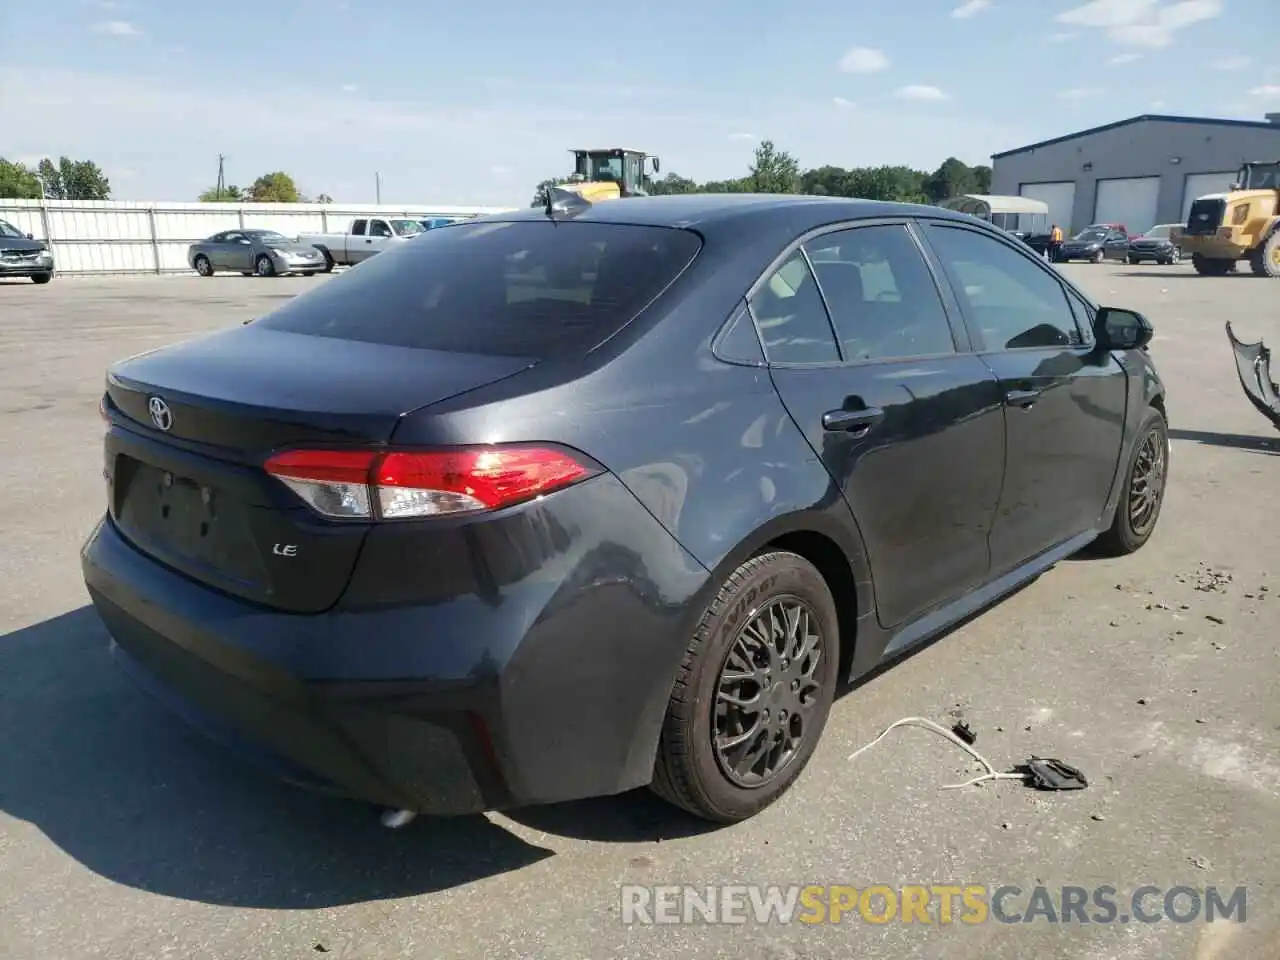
(498, 170)
(1078, 93)
(971, 8)
(1233, 63)
(1140, 23)
(349, 88)
(1268, 92)
(1061, 37)
(1158, 104)
(1125, 58)
(863, 60)
(923, 92)
(117, 28)
(843, 103)
(743, 136)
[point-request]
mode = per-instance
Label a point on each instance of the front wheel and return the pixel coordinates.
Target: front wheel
(1133, 261)
(1098, 257)
(41, 277)
(753, 693)
(1145, 480)
(263, 266)
(1209, 267)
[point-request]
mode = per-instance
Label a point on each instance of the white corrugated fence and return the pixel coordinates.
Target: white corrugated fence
(141, 236)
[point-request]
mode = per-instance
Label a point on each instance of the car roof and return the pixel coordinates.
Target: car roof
(706, 212)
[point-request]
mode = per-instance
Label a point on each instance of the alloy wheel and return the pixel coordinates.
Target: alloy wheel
(768, 690)
(1146, 483)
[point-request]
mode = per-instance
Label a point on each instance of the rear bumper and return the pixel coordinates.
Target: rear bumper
(555, 690)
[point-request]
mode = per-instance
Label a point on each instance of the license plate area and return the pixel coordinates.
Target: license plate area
(195, 526)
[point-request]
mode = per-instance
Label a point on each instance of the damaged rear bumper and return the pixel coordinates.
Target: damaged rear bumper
(1253, 364)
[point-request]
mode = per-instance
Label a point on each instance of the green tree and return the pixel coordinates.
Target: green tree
(17, 182)
(897, 184)
(826, 181)
(773, 170)
(323, 198)
(981, 178)
(672, 183)
(74, 179)
(277, 187)
(225, 195)
(953, 178)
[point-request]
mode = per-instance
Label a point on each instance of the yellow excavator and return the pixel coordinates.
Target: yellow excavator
(609, 173)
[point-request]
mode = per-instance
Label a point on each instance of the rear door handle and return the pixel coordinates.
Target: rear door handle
(852, 421)
(1021, 398)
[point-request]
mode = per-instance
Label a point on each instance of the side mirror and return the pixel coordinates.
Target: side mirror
(30, 237)
(1117, 329)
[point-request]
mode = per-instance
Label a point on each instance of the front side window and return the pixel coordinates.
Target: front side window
(791, 317)
(1012, 300)
(7, 229)
(535, 288)
(379, 228)
(881, 294)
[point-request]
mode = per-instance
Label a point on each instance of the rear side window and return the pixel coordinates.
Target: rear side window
(791, 316)
(533, 288)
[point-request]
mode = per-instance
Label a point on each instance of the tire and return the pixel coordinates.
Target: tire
(203, 266)
(1134, 261)
(263, 267)
(1151, 456)
(1265, 260)
(1098, 257)
(41, 277)
(690, 770)
(1207, 267)
(1175, 257)
(328, 262)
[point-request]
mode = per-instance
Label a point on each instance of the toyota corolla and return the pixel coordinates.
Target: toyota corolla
(552, 505)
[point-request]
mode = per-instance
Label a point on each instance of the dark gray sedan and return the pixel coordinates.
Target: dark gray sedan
(262, 252)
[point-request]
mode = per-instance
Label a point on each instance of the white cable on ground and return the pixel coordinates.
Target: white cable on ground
(991, 774)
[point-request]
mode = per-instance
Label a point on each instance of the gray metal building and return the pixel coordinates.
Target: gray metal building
(1140, 172)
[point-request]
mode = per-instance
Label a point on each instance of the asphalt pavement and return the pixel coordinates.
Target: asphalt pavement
(124, 835)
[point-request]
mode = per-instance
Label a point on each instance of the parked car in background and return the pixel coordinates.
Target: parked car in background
(365, 237)
(361, 536)
(21, 255)
(262, 252)
(1156, 245)
(430, 223)
(1095, 244)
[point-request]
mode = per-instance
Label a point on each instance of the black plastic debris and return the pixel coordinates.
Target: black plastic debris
(1046, 773)
(964, 732)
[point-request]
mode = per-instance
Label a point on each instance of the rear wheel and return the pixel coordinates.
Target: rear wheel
(1265, 259)
(1145, 479)
(1133, 260)
(263, 266)
(203, 266)
(753, 692)
(1209, 267)
(1098, 257)
(328, 262)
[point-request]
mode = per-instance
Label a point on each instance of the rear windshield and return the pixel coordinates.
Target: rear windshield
(537, 289)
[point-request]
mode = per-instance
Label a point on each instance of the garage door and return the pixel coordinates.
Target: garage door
(1199, 184)
(1060, 197)
(1131, 201)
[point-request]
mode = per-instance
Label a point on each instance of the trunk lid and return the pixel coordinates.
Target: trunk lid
(193, 424)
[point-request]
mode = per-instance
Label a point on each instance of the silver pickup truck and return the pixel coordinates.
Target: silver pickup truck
(365, 237)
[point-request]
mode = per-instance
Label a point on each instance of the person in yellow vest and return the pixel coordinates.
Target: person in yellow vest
(1055, 243)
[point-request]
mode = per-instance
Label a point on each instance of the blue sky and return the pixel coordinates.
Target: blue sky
(472, 103)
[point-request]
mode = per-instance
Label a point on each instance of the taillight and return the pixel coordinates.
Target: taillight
(405, 484)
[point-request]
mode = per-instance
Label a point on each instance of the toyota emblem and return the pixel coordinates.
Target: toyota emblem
(161, 415)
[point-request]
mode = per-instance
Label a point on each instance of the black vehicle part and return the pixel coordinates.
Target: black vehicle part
(1253, 365)
(1046, 773)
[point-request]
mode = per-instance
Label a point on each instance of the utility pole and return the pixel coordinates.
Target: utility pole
(221, 188)
(377, 181)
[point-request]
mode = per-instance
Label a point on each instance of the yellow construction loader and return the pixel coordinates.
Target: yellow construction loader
(1242, 224)
(609, 173)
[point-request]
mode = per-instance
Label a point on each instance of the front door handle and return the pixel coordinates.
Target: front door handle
(852, 421)
(1022, 398)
